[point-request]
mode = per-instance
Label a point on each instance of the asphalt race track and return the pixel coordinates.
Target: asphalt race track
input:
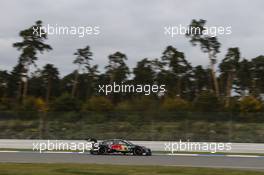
(236, 162)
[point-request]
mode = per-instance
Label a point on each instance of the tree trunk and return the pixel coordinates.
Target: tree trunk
(254, 90)
(19, 91)
(48, 91)
(215, 82)
(228, 88)
(25, 87)
(75, 83)
(25, 84)
(178, 87)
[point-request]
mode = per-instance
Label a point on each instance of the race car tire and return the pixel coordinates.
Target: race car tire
(102, 150)
(149, 154)
(138, 151)
(93, 152)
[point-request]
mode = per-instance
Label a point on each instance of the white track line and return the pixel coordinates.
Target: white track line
(169, 154)
(243, 156)
(178, 154)
(9, 151)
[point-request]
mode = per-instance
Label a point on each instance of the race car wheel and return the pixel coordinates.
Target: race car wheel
(149, 154)
(138, 151)
(102, 150)
(92, 152)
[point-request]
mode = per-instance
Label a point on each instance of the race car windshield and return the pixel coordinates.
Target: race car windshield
(129, 143)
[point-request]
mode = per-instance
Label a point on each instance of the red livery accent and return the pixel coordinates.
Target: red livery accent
(116, 147)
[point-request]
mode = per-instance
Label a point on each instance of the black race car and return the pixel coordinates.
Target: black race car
(115, 146)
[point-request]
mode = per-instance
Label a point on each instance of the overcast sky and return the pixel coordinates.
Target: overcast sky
(134, 27)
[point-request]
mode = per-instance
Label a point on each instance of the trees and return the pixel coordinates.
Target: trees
(207, 102)
(4, 76)
(243, 81)
(250, 77)
(144, 72)
(37, 87)
(32, 44)
(117, 70)
(228, 68)
(208, 44)
(50, 75)
(90, 82)
(178, 66)
(257, 71)
(201, 79)
(14, 82)
(65, 103)
(172, 69)
(84, 56)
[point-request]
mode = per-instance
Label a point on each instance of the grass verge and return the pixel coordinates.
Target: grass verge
(92, 169)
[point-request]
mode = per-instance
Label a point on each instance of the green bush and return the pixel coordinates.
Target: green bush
(66, 103)
(5, 104)
(98, 104)
(124, 106)
(144, 103)
(207, 102)
(29, 104)
(250, 104)
(233, 105)
(175, 104)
